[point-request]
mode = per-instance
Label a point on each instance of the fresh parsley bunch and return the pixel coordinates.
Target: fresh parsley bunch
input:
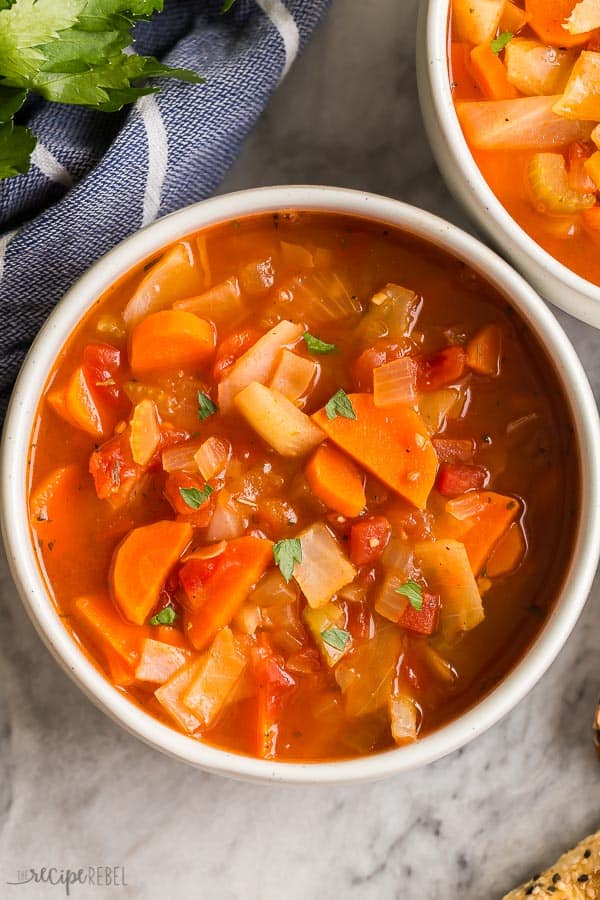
(70, 51)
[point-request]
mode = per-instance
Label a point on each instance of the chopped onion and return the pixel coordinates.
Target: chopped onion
(212, 457)
(181, 457)
(436, 406)
(395, 382)
(257, 277)
(354, 593)
(321, 297)
(466, 506)
(296, 255)
(294, 376)
(325, 567)
(388, 602)
(227, 521)
(272, 590)
(159, 661)
(222, 303)
(440, 667)
(209, 551)
(446, 567)
(248, 619)
(404, 715)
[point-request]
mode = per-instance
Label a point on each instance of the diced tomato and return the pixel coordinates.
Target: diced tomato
(173, 485)
(340, 524)
(113, 469)
(193, 576)
(368, 539)
(273, 682)
(232, 348)
(360, 621)
(440, 369)
(453, 480)
(372, 358)
(451, 450)
(102, 368)
(424, 620)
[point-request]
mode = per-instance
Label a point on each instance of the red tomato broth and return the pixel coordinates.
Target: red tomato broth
(535, 462)
(571, 238)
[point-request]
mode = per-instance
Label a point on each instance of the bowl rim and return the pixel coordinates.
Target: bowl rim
(483, 204)
(19, 425)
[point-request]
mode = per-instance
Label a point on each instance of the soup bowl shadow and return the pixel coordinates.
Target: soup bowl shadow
(553, 280)
(21, 417)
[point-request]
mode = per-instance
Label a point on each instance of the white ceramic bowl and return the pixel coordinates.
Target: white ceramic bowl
(21, 417)
(550, 278)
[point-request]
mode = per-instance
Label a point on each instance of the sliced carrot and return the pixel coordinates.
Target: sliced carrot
(335, 480)
(145, 434)
(487, 526)
(166, 634)
(547, 18)
(171, 339)
(53, 495)
(237, 571)
(462, 82)
(513, 18)
(118, 639)
(78, 406)
(173, 277)
(490, 74)
(484, 350)
(508, 552)
(390, 442)
(141, 564)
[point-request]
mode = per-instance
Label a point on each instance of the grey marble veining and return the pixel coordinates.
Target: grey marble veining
(76, 790)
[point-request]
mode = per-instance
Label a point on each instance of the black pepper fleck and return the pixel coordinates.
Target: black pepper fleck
(583, 878)
(587, 854)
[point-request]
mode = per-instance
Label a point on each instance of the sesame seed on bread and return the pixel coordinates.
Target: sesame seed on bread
(575, 876)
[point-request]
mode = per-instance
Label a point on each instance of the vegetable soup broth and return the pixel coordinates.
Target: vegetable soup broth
(338, 672)
(558, 208)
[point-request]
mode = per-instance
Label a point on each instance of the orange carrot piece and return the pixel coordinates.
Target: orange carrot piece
(547, 18)
(78, 406)
(145, 436)
(166, 634)
(237, 571)
(513, 18)
(490, 74)
(488, 526)
(52, 496)
(119, 640)
(391, 442)
(462, 82)
(171, 339)
(592, 167)
(508, 552)
(335, 480)
(484, 350)
(141, 564)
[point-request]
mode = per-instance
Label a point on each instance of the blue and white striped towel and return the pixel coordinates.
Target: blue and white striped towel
(97, 177)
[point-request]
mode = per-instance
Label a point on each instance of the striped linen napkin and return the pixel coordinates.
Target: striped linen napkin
(96, 178)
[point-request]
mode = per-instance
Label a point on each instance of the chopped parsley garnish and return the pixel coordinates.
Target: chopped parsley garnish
(206, 407)
(165, 617)
(316, 345)
(414, 592)
(500, 42)
(340, 405)
(336, 637)
(195, 498)
(286, 553)
(227, 6)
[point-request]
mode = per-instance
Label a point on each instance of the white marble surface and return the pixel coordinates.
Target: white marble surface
(75, 790)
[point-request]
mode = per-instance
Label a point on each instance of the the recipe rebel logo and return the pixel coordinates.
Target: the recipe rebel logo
(88, 876)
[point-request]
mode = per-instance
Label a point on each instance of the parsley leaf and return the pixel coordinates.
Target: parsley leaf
(195, 498)
(336, 637)
(286, 553)
(340, 405)
(206, 407)
(414, 592)
(315, 345)
(500, 42)
(71, 51)
(165, 617)
(227, 6)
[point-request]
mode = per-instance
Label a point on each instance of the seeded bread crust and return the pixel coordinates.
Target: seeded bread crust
(575, 876)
